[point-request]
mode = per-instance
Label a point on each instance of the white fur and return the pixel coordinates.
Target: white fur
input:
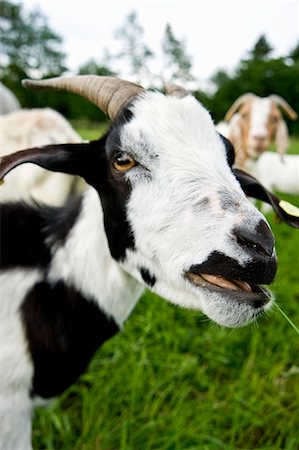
(260, 111)
(16, 368)
(32, 128)
(258, 134)
(223, 128)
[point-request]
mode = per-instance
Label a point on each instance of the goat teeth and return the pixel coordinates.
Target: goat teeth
(243, 285)
(196, 279)
(217, 280)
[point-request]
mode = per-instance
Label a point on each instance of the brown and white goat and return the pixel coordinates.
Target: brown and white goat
(254, 122)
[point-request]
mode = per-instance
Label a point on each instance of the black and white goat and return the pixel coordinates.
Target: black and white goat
(164, 210)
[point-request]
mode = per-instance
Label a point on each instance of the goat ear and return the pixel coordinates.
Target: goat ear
(237, 104)
(235, 137)
(287, 212)
(75, 159)
(284, 105)
(281, 137)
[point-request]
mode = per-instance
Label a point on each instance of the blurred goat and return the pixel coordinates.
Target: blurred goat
(275, 174)
(253, 123)
(8, 101)
(31, 128)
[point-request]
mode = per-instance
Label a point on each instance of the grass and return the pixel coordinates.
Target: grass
(174, 380)
(90, 130)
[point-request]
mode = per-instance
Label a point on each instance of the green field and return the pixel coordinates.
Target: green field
(174, 380)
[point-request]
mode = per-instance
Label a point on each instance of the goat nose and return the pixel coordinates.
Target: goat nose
(259, 138)
(260, 240)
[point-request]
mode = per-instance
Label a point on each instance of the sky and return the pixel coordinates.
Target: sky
(216, 33)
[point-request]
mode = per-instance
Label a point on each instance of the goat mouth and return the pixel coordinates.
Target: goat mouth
(204, 280)
(241, 291)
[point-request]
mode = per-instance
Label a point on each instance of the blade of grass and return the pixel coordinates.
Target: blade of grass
(287, 318)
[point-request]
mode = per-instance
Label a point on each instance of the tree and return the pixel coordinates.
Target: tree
(259, 74)
(177, 63)
(294, 53)
(28, 45)
(134, 53)
(94, 68)
(261, 49)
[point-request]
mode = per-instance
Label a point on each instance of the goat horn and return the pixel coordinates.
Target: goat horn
(175, 90)
(107, 93)
(236, 105)
(287, 108)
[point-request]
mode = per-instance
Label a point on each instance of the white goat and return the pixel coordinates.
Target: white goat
(276, 174)
(165, 211)
(253, 123)
(8, 101)
(31, 128)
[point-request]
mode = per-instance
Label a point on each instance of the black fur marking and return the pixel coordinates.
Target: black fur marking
(63, 329)
(118, 230)
(116, 195)
(26, 228)
(230, 151)
(147, 277)
(124, 116)
(22, 243)
(261, 270)
(61, 220)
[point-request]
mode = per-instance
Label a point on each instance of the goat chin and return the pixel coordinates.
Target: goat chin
(223, 311)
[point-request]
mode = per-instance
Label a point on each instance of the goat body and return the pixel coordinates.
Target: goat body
(276, 174)
(163, 210)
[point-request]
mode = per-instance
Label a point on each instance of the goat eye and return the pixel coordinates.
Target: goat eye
(124, 162)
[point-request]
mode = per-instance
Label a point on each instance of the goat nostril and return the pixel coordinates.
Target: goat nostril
(260, 240)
